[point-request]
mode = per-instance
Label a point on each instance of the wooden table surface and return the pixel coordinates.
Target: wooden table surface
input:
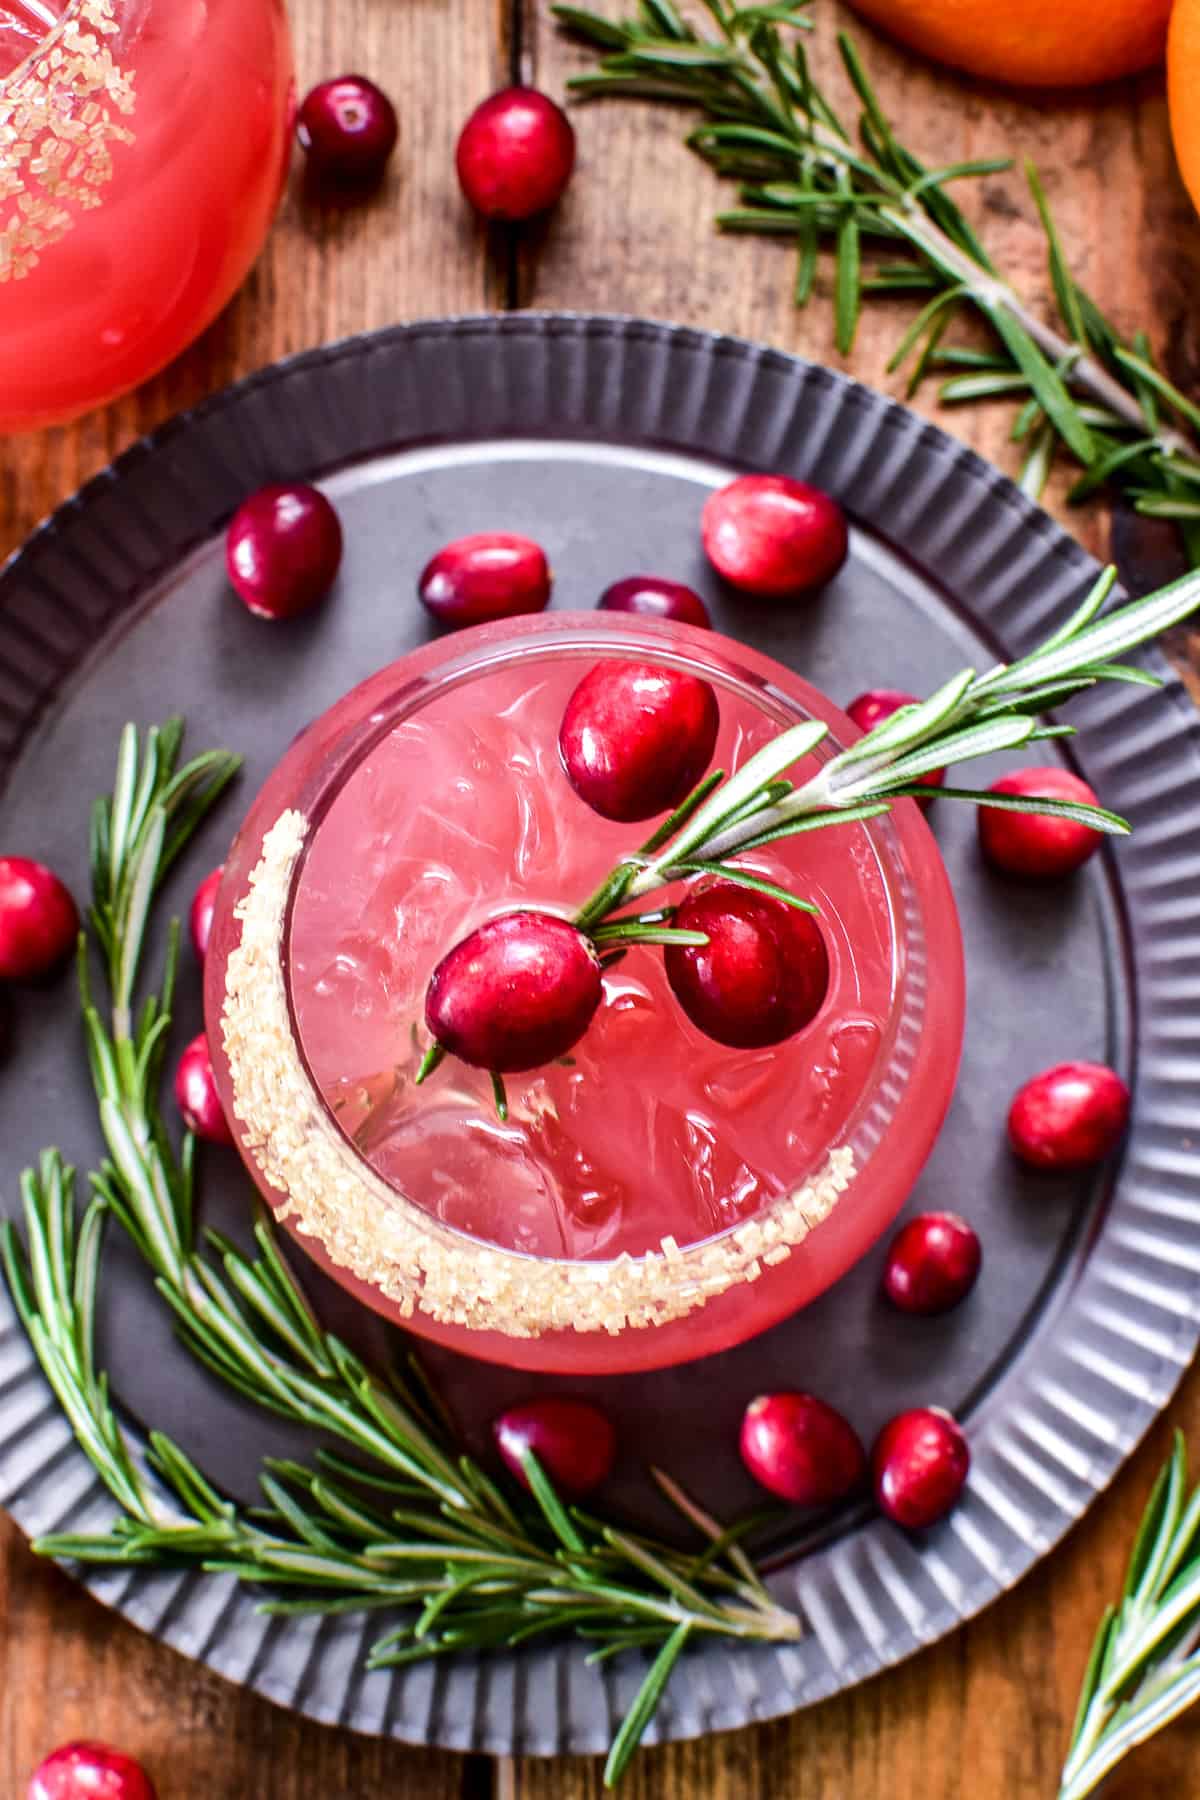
(986, 1713)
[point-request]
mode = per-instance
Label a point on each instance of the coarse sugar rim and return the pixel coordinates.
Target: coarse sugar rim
(60, 116)
(419, 1264)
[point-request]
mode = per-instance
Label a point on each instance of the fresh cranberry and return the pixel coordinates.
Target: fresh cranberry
(197, 1097)
(39, 921)
(876, 705)
(347, 128)
(492, 575)
(1069, 1117)
(515, 154)
(763, 974)
(655, 598)
(919, 1464)
(283, 550)
(772, 536)
(516, 993)
(933, 1263)
(800, 1449)
(573, 1440)
(636, 738)
(90, 1771)
(204, 903)
(1031, 843)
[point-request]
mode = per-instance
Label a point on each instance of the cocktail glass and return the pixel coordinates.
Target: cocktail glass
(654, 1196)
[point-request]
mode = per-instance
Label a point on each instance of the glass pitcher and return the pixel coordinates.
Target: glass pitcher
(143, 146)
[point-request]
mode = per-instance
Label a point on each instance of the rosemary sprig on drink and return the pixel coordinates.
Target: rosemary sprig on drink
(1144, 1669)
(970, 715)
(483, 1006)
(410, 1522)
(769, 125)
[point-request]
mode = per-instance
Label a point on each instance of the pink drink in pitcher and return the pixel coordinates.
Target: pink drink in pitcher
(143, 145)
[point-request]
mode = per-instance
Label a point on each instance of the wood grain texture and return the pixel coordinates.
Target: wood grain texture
(985, 1714)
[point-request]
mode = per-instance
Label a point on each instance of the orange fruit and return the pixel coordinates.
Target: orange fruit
(1183, 88)
(1034, 43)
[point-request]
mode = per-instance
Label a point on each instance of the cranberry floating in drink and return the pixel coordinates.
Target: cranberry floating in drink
(646, 1194)
(763, 973)
(517, 992)
(636, 738)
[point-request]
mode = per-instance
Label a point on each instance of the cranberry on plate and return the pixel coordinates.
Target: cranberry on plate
(200, 916)
(877, 704)
(196, 1094)
(801, 1450)
(919, 1465)
(283, 550)
(653, 597)
(1069, 1116)
(572, 1439)
(1033, 844)
(774, 537)
(39, 921)
(489, 575)
(932, 1264)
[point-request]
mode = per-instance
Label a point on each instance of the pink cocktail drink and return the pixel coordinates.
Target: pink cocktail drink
(146, 151)
(654, 1195)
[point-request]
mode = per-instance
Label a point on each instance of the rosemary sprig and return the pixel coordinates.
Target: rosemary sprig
(769, 125)
(970, 715)
(476, 1570)
(1144, 1668)
(411, 1521)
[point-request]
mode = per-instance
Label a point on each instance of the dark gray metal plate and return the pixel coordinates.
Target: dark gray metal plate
(599, 438)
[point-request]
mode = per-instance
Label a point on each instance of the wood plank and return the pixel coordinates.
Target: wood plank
(412, 250)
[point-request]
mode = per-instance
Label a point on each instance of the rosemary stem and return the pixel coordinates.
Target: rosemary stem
(1086, 374)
